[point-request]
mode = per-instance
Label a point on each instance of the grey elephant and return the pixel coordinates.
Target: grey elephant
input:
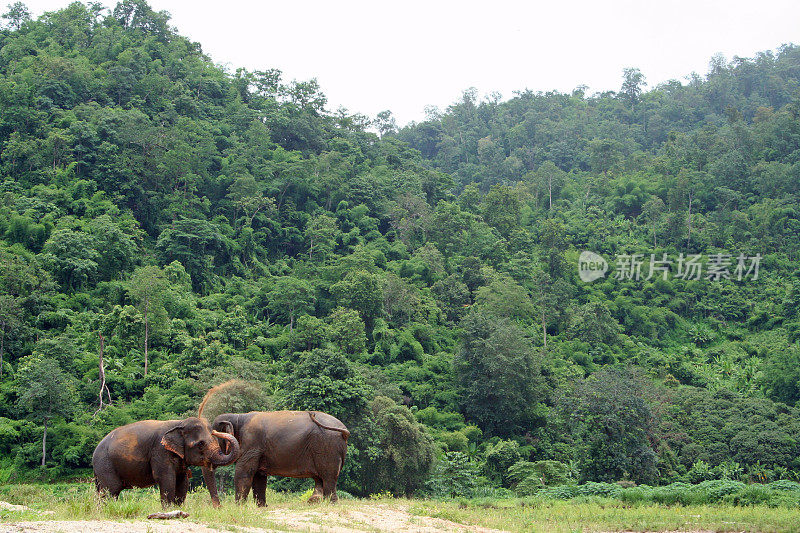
(153, 452)
(301, 444)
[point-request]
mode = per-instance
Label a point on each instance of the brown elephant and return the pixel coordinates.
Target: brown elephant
(303, 444)
(159, 452)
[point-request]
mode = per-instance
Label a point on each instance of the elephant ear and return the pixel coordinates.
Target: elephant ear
(173, 441)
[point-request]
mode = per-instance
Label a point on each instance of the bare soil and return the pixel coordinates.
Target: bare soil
(375, 517)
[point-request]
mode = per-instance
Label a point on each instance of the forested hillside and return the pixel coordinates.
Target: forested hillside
(190, 225)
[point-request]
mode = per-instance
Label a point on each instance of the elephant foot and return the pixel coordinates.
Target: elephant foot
(315, 498)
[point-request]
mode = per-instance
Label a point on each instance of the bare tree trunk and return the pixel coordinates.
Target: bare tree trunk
(2, 345)
(544, 328)
(146, 338)
(44, 442)
(103, 387)
(550, 191)
(689, 235)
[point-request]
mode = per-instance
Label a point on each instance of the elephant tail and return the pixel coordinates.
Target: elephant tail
(345, 433)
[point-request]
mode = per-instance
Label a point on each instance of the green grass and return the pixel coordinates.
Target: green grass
(604, 514)
(77, 501)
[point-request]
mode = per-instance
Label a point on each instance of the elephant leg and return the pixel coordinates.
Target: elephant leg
(211, 483)
(329, 486)
(181, 488)
(243, 477)
(111, 485)
(166, 485)
(260, 489)
(316, 496)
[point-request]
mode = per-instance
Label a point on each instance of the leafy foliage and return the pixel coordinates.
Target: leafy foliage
(420, 285)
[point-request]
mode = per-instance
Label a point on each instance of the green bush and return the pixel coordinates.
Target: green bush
(559, 492)
(719, 488)
(785, 484)
(608, 490)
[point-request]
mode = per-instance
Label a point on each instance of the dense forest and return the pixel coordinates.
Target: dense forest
(167, 225)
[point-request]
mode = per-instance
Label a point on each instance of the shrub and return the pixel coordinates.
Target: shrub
(559, 492)
(499, 457)
(608, 490)
(785, 484)
(454, 475)
(719, 488)
(527, 477)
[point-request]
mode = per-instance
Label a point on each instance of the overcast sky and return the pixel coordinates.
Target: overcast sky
(371, 55)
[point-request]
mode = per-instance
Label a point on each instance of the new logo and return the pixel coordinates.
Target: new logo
(591, 266)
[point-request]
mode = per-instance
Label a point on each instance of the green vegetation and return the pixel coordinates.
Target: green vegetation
(194, 225)
(587, 512)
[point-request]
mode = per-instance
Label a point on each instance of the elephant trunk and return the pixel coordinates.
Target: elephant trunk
(222, 458)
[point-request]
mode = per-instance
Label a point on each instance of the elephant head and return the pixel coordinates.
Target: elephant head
(194, 441)
(227, 423)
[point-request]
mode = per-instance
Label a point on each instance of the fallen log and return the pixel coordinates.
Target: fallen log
(169, 515)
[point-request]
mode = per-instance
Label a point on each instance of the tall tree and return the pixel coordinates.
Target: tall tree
(10, 322)
(147, 287)
(45, 391)
(499, 376)
(633, 82)
(290, 296)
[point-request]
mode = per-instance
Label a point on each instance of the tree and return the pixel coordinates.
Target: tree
(147, 287)
(346, 331)
(45, 391)
(605, 155)
(324, 380)
(551, 298)
(552, 178)
(632, 84)
(553, 238)
(781, 378)
(592, 322)
(385, 123)
(609, 416)
(362, 291)
(291, 296)
(407, 451)
(500, 379)
(320, 234)
(118, 249)
(653, 212)
(454, 474)
(101, 367)
(504, 297)
(17, 15)
(10, 322)
(72, 257)
(502, 208)
(248, 196)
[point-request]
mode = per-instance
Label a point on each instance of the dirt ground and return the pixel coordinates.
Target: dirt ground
(373, 518)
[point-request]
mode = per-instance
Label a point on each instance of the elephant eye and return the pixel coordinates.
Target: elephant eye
(201, 444)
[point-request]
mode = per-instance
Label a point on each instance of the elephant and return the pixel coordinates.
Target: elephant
(152, 452)
(302, 444)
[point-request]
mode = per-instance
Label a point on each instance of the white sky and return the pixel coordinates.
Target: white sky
(371, 55)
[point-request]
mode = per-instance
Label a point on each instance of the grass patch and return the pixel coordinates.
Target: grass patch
(584, 512)
(597, 514)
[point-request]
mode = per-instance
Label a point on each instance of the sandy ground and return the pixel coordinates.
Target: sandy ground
(376, 517)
